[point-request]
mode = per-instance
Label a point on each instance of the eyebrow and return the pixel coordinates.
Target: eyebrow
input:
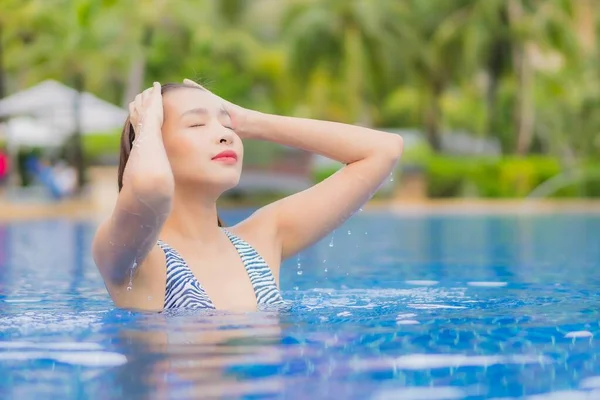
(204, 111)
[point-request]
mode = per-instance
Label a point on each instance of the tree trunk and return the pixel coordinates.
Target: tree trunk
(433, 115)
(78, 157)
(524, 112)
(355, 77)
(2, 82)
(586, 27)
(492, 91)
(135, 79)
(137, 69)
(496, 65)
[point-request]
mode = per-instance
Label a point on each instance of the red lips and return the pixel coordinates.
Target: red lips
(227, 155)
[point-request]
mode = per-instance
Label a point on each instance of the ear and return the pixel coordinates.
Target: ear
(192, 83)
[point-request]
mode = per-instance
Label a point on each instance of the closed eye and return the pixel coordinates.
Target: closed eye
(196, 125)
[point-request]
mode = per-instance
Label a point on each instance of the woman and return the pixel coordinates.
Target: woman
(164, 246)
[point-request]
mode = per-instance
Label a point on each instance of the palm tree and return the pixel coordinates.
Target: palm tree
(349, 43)
(516, 41)
(570, 121)
(132, 37)
(443, 45)
(53, 44)
(542, 38)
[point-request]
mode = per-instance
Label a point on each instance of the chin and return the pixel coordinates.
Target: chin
(213, 180)
(222, 182)
(231, 184)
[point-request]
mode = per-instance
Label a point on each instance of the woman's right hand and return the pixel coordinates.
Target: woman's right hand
(238, 114)
(127, 237)
(147, 109)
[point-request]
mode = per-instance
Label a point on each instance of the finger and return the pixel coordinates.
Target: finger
(137, 102)
(146, 95)
(157, 91)
(133, 113)
(138, 108)
(133, 116)
(192, 83)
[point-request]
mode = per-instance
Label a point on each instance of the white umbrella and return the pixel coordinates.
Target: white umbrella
(53, 104)
(24, 131)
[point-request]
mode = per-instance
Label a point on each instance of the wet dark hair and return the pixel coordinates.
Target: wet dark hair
(128, 136)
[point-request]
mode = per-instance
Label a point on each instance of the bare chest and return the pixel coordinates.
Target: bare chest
(224, 278)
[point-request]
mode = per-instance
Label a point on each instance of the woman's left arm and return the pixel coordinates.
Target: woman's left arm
(303, 218)
(306, 217)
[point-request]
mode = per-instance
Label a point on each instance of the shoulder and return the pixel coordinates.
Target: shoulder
(259, 230)
(260, 225)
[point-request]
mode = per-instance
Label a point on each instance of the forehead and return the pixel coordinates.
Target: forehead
(180, 100)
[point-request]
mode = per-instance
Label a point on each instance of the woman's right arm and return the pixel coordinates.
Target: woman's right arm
(125, 239)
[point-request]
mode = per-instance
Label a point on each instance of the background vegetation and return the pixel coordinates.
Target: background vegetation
(523, 72)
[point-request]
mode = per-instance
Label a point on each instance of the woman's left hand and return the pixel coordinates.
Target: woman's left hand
(239, 115)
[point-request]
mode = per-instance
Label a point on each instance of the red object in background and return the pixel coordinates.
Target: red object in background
(3, 165)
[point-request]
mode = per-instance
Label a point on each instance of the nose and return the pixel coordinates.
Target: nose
(225, 136)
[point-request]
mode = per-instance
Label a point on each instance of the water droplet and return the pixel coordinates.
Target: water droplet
(324, 261)
(131, 271)
(331, 242)
(149, 298)
(365, 233)
(296, 288)
(299, 272)
(349, 232)
(360, 209)
(325, 270)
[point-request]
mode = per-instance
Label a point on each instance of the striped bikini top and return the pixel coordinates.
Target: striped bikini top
(184, 291)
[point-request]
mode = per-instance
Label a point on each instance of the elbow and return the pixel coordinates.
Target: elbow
(397, 147)
(392, 149)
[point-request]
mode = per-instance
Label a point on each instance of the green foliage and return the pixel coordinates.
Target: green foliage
(260, 154)
(426, 65)
(502, 178)
(590, 185)
(322, 173)
(584, 181)
(417, 155)
(400, 108)
(101, 144)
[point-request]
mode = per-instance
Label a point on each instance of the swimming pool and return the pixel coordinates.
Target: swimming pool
(428, 307)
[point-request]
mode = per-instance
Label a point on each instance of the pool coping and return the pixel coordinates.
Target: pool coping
(493, 207)
(88, 209)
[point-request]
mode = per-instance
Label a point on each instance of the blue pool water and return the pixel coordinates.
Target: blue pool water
(437, 307)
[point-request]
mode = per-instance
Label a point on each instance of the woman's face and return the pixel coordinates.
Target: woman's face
(200, 144)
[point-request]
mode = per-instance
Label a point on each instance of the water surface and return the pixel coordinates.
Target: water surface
(439, 307)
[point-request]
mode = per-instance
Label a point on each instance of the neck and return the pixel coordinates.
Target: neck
(193, 216)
